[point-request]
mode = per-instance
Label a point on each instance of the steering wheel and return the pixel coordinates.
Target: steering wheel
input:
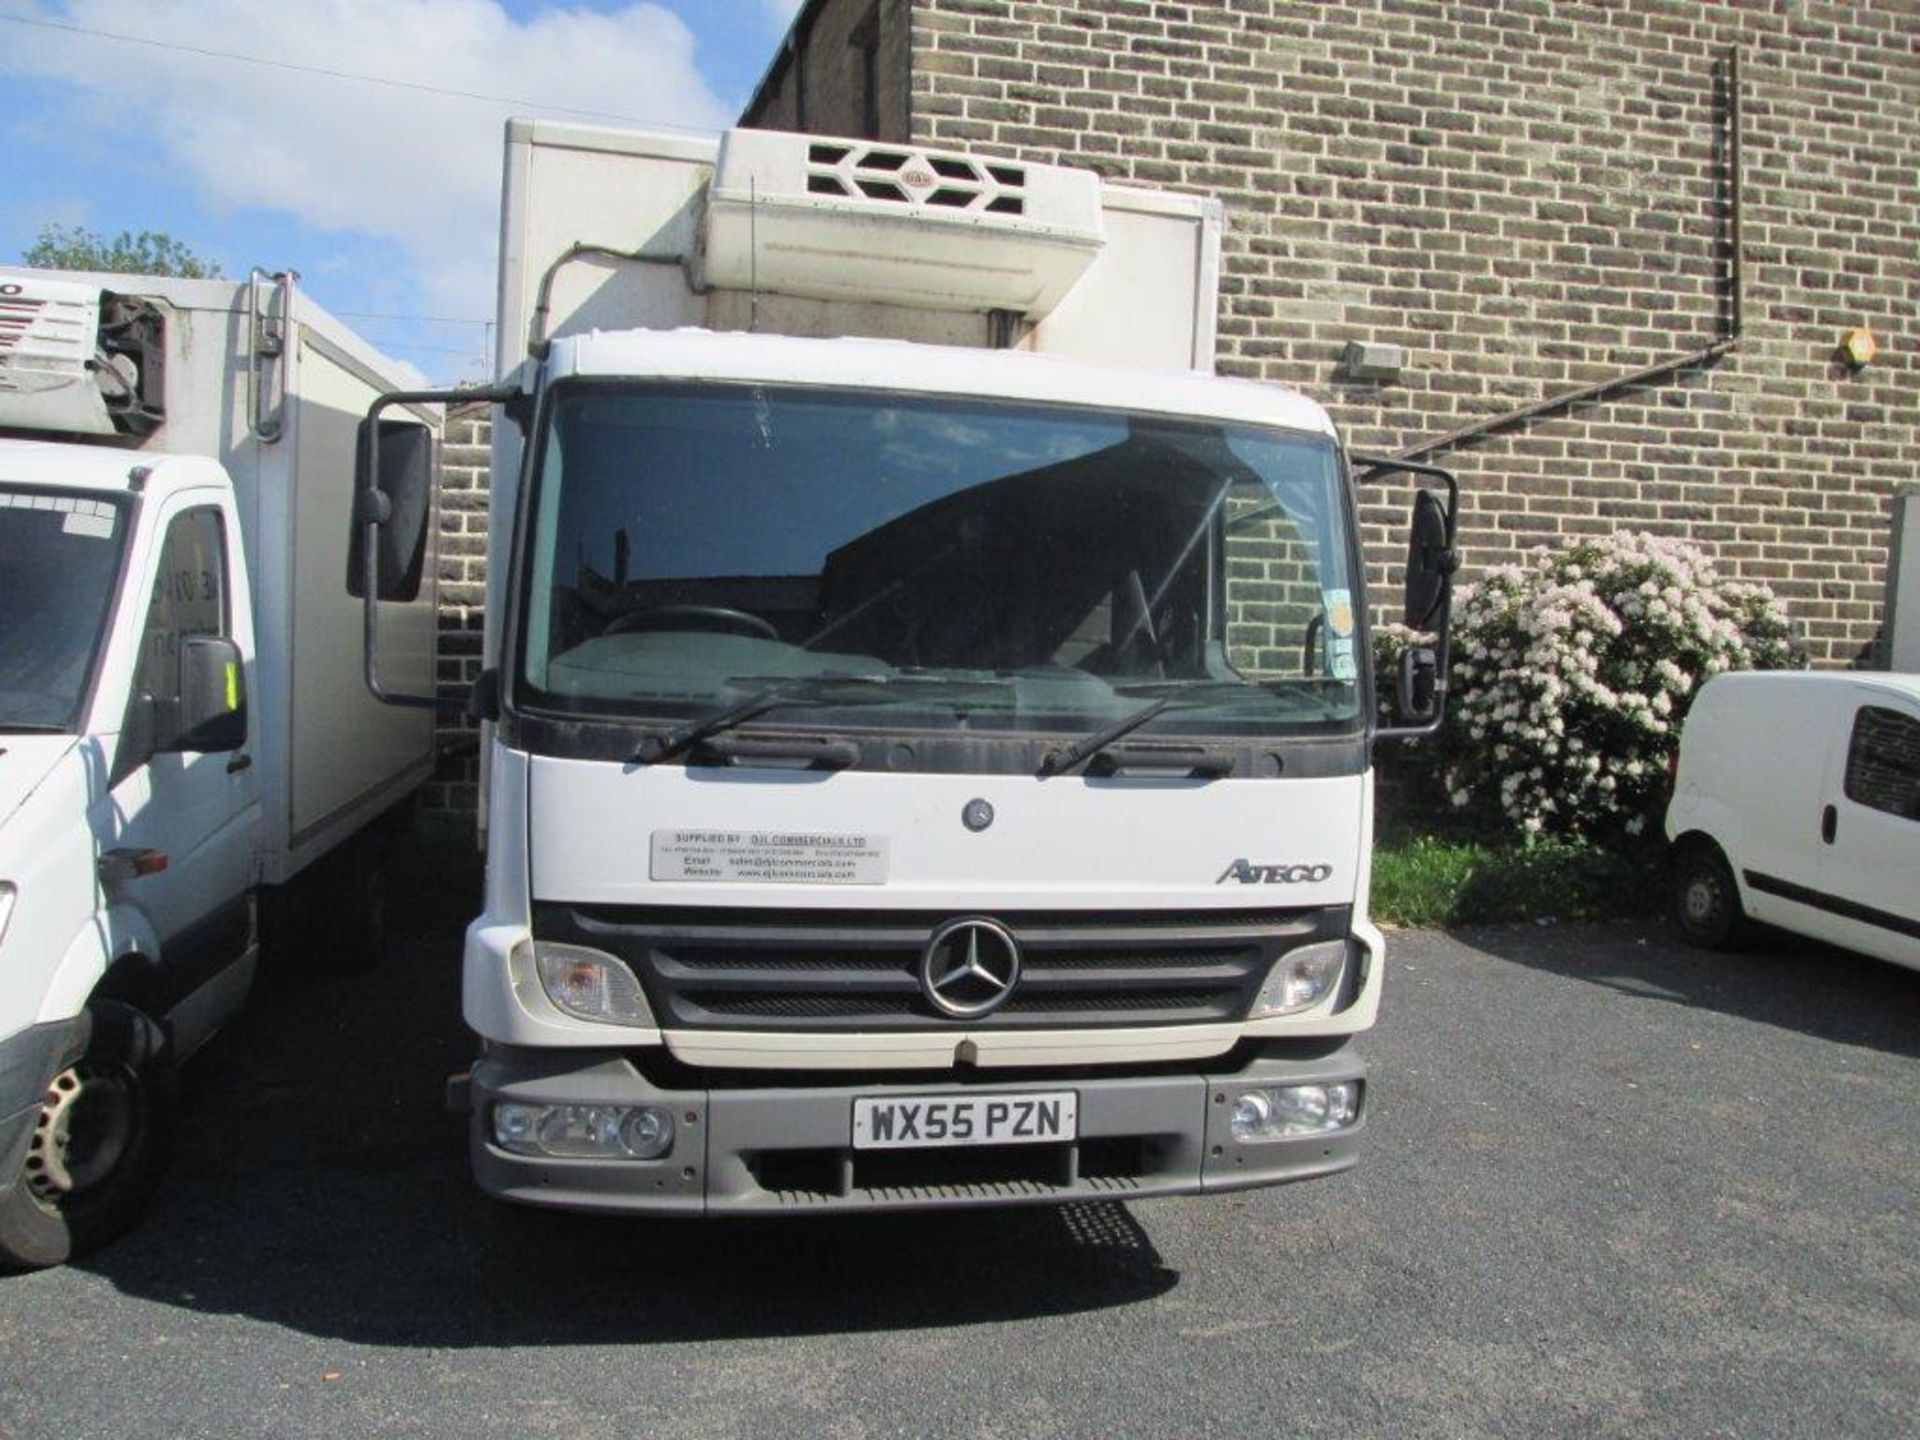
(693, 617)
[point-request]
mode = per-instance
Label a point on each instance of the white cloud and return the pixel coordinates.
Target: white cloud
(783, 11)
(344, 155)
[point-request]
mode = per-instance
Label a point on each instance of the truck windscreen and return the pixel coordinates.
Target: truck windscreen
(1019, 567)
(59, 556)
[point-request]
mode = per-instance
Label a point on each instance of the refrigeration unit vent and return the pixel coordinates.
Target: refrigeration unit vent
(899, 224)
(79, 360)
(908, 177)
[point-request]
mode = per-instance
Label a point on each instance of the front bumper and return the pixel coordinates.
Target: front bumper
(776, 1149)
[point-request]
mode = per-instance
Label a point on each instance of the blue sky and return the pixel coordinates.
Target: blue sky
(382, 197)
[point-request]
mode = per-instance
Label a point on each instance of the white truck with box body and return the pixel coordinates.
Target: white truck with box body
(924, 769)
(181, 716)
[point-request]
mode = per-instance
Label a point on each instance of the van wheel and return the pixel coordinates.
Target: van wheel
(1706, 901)
(100, 1143)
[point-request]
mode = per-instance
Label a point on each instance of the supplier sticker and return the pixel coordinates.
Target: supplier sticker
(778, 857)
(1340, 660)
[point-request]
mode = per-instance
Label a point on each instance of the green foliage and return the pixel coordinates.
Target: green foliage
(1426, 880)
(151, 252)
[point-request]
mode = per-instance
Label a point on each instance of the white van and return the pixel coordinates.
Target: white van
(1797, 803)
(183, 729)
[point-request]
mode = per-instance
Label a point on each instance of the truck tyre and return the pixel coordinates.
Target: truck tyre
(1706, 901)
(100, 1145)
(363, 945)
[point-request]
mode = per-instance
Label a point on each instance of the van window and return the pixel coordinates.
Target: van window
(1883, 762)
(189, 598)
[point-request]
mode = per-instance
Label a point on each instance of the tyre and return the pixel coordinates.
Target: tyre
(363, 945)
(100, 1144)
(1706, 901)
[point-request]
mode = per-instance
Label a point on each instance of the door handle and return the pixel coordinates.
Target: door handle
(239, 763)
(1829, 824)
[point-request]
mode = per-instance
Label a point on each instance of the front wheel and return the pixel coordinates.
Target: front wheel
(1706, 901)
(100, 1143)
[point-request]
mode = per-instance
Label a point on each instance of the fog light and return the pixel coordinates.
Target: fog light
(1285, 1112)
(584, 1132)
(590, 984)
(1301, 979)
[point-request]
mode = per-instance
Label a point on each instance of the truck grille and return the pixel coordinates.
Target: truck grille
(814, 971)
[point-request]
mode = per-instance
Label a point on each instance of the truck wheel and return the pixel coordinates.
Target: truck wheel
(364, 945)
(100, 1144)
(1706, 901)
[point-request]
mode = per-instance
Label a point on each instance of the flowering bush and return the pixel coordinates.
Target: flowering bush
(1573, 669)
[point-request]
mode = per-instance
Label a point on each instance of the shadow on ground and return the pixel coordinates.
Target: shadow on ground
(320, 1185)
(1776, 979)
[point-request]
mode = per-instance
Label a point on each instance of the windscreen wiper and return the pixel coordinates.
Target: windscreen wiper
(667, 744)
(774, 692)
(1058, 762)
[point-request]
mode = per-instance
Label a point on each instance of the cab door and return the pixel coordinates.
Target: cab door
(178, 832)
(1870, 829)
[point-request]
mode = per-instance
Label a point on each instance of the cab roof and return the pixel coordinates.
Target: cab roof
(84, 467)
(692, 354)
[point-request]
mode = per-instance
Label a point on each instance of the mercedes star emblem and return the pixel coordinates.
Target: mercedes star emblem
(969, 968)
(977, 815)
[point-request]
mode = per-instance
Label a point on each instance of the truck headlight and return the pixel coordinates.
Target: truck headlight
(1301, 979)
(590, 984)
(1284, 1112)
(583, 1132)
(8, 894)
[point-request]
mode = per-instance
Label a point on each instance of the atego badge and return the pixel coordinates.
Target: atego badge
(1248, 873)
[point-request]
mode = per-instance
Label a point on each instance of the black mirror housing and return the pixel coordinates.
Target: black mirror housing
(400, 498)
(1430, 562)
(213, 697)
(1418, 685)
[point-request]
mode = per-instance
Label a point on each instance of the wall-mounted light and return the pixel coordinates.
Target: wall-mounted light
(1858, 347)
(1367, 360)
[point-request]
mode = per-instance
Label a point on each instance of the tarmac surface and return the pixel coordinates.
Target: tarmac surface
(1612, 1187)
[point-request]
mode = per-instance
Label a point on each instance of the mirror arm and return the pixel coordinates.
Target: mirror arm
(372, 508)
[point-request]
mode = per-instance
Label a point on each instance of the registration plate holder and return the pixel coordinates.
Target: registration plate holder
(901, 1122)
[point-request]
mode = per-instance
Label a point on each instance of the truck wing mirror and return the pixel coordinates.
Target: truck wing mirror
(384, 519)
(1430, 561)
(1418, 687)
(213, 697)
(403, 492)
(1421, 682)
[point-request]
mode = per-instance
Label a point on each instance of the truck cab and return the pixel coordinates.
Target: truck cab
(928, 716)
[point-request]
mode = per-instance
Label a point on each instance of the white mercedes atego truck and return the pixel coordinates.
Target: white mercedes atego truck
(182, 723)
(929, 768)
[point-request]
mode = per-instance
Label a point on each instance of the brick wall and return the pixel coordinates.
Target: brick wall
(836, 51)
(463, 600)
(1521, 194)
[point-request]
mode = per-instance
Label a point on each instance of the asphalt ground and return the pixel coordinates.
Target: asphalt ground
(1612, 1187)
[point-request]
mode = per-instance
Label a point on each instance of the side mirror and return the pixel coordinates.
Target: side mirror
(213, 697)
(400, 499)
(1418, 685)
(1430, 562)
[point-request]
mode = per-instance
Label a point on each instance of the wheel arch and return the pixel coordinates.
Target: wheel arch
(115, 956)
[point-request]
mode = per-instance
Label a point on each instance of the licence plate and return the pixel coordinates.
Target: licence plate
(900, 1121)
